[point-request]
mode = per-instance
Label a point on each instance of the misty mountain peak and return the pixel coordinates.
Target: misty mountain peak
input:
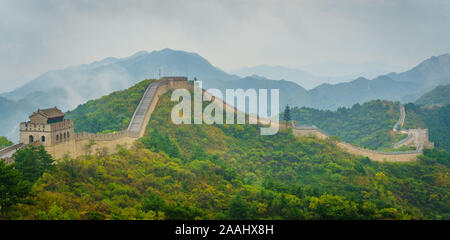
(361, 79)
(169, 51)
(436, 62)
(255, 76)
(140, 53)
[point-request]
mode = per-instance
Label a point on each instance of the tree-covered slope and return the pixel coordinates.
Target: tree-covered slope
(436, 119)
(109, 113)
(439, 95)
(232, 172)
(368, 125)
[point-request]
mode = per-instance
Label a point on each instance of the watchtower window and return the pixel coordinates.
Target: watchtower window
(57, 137)
(55, 120)
(43, 139)
(64, 136)
(31, 139)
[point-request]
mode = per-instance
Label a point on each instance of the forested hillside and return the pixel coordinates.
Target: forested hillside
(439, 95)
(368, 125)
(109, 113)
(232, 172)
(436, 119)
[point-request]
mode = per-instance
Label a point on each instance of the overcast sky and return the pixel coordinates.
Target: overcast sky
(41, 35)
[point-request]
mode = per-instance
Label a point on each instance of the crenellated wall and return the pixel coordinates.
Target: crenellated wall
(306, 132)
(380, 156)
(79, 147)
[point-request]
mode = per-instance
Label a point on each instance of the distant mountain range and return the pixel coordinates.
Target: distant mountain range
(403, 87)
(89, 81)
(72, 86)
(298, 76)
(345, 71)
(311, 76)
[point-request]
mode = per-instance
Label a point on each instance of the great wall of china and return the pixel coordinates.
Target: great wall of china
(90, 143)
(416, 137)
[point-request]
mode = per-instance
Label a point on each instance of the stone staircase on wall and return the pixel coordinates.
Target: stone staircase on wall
(137, 121)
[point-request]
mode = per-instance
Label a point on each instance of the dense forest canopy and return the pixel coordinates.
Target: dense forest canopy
(232, 172)
(368, 125)
(439, 95)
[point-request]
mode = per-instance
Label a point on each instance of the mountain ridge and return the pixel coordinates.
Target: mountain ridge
(313, 75)
(438, 96)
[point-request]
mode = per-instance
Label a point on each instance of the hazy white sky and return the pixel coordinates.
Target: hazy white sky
(41, 35)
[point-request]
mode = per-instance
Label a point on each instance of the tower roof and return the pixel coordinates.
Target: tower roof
(50, 112)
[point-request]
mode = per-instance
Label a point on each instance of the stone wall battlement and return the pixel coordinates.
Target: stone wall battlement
(378, 156)
(105, 136)
(100, 136)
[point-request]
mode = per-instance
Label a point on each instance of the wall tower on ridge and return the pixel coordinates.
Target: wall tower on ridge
(46, 127)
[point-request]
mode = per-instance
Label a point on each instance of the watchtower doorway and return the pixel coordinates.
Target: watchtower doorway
(31, 139)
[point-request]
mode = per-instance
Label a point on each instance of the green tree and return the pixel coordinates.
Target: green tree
(32, 162)
(47, 161)
(153, 202)
(4, 142)
(287, 114)
(238, 209)
(12, 187)
(160, 141)
(54, 213)
(333, 207)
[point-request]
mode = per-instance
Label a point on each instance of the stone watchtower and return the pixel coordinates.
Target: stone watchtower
(46, 127)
